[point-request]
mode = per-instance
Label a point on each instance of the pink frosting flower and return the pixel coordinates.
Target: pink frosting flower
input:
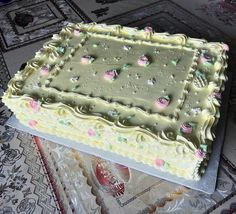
(162, 102)
(35, 105)
(148, 29)
(77, 32)
(186, 128)
(87, 59)
(159, 163)
(32, 123)
(110, 75)
(44, 70)
(202, 59)
(91, 133)
(143, 61)
(216, 95)
(225, 47)
(200, 154)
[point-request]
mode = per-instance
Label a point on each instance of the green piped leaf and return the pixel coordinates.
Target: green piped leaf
(175, 61)
(204, 147)
(167, 97)
(193, 124)
(126, 65)
(199, 73)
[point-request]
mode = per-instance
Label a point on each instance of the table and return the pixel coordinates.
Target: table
(39, 176)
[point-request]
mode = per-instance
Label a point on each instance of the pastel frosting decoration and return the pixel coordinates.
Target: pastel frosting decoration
(152, 97)
(186, 128)
(143, 61)
(77, 32)
(34, 105)
(162, 102)
(110, 75)
(44, 71)
(159, 163)
(87, 59)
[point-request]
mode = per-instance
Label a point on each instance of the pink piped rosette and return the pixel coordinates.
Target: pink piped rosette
(87, 59)
(204, 59)
(34, 105)
(110, 75)
(159, 163)
(32, 123)
(148, 30)
(91, 133)
(216, 95)
(143, 61)
(162, 102)
(200, 153)
(225, 47)
(186, 128)
(44, 71)
(77, 32)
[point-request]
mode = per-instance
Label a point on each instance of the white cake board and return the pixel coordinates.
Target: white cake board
(206, 184)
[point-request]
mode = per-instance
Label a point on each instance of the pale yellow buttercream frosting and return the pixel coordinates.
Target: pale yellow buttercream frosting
(152, 97)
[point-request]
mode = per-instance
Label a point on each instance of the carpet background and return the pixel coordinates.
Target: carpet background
(42, 177)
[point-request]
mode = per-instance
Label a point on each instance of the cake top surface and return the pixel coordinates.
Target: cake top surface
(129, 78)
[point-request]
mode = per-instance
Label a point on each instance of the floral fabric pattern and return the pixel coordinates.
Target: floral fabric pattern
(21, 175)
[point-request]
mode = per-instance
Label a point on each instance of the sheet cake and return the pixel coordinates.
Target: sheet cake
(151, 97)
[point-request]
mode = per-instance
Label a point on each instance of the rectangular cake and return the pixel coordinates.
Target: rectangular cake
(151, 97)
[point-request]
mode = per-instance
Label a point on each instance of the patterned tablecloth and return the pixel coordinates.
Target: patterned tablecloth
(37, 176)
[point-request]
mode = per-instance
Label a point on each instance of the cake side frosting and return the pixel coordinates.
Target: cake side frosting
(168, 119)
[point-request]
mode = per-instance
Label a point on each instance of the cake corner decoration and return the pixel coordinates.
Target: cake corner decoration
(120, 103)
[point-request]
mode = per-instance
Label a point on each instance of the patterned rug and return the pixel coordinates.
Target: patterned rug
(37, 176)
(24, 186)
(25, 22)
